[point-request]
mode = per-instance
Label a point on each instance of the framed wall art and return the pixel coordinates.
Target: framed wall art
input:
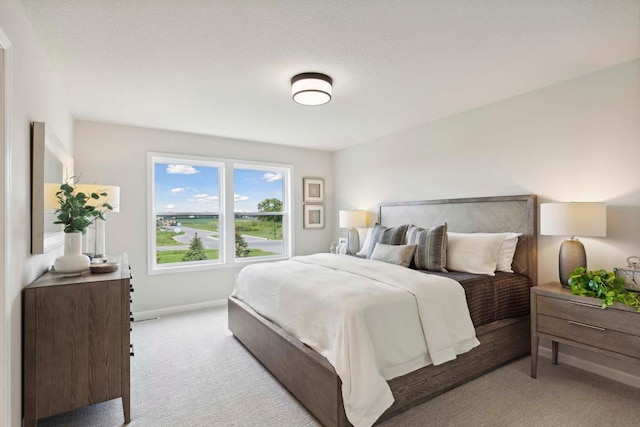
(313, 216)
(313, 190)
(50, 167)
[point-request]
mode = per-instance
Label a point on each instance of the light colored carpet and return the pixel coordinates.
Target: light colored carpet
(189, 371)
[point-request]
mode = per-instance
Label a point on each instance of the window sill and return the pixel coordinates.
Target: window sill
(212, 266)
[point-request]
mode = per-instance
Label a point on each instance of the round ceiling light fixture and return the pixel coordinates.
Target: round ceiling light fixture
(311, 88)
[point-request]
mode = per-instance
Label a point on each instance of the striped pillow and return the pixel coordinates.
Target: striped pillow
(431, 247)
(387, 236)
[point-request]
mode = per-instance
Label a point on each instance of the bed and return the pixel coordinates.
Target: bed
(504, 334)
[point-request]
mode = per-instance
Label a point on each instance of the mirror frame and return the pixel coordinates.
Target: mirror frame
(43, 140)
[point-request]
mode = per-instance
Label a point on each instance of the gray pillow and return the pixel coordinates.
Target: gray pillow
(388, 236)
(393, 254)
(431, 247)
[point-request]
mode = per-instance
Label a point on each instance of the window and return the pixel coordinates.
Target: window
(191, 199)
(259, 211)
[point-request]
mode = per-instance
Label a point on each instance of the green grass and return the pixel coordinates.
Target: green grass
(251, 227)
(246, 226)
(167, 257)
(165, 238)
(209, 224)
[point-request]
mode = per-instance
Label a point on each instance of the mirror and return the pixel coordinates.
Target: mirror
(50, 167)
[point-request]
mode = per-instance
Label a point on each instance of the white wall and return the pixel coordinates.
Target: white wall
(116, 155)
(575, 141)
(36, 96)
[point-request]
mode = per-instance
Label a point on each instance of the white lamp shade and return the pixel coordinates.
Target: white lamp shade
(50, 199)
(350, 219)
(112, 197)
(573, 219)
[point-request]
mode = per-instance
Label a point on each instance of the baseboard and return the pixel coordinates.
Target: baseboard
(142, 315)
(592, 367)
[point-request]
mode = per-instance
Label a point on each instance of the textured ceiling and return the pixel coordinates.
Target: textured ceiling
(224, 67)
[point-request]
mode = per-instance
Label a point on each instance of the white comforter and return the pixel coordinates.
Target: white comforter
(371, 320)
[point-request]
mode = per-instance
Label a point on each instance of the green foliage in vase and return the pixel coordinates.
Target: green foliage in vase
(74, 212)
(196, 250)
(604, 285)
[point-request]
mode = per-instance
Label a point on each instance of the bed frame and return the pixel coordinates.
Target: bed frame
(314, 382)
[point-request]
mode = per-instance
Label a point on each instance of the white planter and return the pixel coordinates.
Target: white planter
(73, 261)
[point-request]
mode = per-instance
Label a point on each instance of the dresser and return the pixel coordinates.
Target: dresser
(77, 341)
(577, 321)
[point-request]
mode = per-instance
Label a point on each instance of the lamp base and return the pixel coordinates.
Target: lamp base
(353, 239)
(572, 256)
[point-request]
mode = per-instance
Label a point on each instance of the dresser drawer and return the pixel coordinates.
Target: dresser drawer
(595, 336)
(609, 318)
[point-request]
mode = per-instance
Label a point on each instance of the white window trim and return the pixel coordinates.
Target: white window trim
(226, 210)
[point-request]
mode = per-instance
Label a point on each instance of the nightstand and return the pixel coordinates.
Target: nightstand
(569, 319)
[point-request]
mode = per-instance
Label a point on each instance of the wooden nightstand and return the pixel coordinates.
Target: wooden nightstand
(581, 322)
(77, 342)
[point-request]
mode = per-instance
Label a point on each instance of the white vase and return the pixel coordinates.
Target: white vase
(73, 261)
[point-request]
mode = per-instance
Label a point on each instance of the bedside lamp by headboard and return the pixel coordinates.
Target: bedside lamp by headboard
(573, 219)
(353, 220)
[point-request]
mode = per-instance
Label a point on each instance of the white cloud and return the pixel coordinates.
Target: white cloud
(182, 169)
(239, 198)
(178, 190)
(170, 207)
(272, 176)
(203, 198)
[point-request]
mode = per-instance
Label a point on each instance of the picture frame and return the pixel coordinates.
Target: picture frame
(313, 190)
(342, 246)
(313, 216)
(50, 167)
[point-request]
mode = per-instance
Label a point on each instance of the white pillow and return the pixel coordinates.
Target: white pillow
(366, 245)
(473, 252)
(507, 250)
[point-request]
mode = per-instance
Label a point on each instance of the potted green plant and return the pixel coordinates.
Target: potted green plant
(604, 285)
(75, 214)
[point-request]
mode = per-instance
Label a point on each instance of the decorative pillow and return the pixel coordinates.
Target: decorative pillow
(393, 254)
(431, 247)
(388, 236)
(473, 252)
(366, 246)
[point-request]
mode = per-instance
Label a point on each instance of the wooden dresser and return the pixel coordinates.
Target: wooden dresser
(76, 341)
(569, 319)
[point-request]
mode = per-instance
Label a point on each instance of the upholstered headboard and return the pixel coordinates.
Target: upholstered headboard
(474, 215)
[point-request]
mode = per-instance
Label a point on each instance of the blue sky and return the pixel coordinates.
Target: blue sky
(187, 188)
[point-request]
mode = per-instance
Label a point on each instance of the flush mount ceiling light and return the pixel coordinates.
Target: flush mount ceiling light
(311, 88)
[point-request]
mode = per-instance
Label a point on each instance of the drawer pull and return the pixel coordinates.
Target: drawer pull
(586, 326)
(584, 304)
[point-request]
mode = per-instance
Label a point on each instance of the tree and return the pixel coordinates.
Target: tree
(242, 249)
(271, 205)
(196, 250)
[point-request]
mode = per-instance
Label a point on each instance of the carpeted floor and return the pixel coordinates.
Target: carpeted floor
(189, 371)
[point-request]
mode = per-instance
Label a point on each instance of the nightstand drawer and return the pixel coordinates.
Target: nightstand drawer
(586, 333)
(609, 318)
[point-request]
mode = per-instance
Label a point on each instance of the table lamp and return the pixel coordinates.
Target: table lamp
(352, 220)
(572, 219)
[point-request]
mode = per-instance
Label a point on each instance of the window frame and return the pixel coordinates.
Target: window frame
(287, 217)
(226, 214)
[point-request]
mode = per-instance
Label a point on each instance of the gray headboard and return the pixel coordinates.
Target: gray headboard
(481, 214)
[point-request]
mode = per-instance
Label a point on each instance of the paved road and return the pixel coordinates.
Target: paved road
(210, 241)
